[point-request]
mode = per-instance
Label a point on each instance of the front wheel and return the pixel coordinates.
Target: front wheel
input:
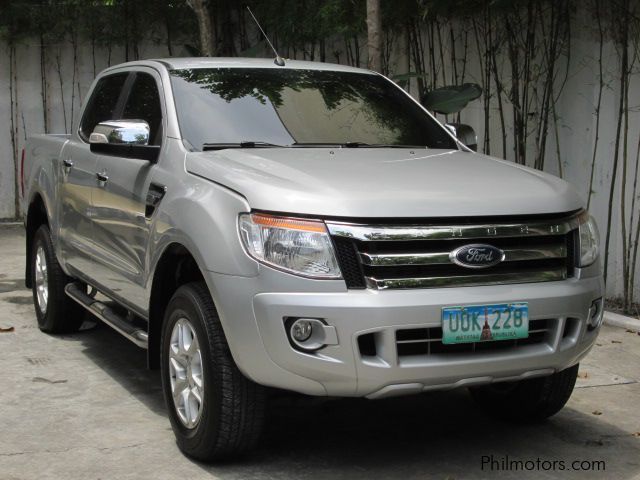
(530, 400)
(215, 411)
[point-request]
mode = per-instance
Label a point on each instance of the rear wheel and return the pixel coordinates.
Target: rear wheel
(56, 312)
(215, 411)
(530, 400)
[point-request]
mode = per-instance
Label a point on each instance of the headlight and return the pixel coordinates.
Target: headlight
(296, 245)
(589, 240)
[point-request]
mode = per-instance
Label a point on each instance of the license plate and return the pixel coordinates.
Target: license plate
(485, 323)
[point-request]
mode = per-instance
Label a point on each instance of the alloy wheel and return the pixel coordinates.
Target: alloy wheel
(185, 372)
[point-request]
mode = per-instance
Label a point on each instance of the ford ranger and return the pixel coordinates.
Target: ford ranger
(307, 227)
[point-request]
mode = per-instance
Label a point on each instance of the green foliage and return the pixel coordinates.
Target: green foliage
(15, 20)
(102, 22)
(403, 79)
(343, 17)
(298, 24)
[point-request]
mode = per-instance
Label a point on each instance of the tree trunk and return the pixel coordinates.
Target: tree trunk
(204, 26)
(374, 35)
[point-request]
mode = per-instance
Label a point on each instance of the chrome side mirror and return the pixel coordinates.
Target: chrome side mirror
(465, 134)
(121, 132)
(124, 138)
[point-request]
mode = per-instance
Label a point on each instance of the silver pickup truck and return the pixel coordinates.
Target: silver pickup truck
(307, 227)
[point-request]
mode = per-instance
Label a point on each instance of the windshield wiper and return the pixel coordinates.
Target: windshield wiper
(330, 144)
(223, 146)
(354, 145)
(379, 145)
(314, 144)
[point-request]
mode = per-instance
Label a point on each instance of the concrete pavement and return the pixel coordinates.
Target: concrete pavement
(84, 406)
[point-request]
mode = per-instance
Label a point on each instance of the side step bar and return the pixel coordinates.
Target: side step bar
(108, 316)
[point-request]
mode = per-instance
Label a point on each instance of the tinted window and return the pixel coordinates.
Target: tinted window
(144, 104)
(286, 106)
(102, 103)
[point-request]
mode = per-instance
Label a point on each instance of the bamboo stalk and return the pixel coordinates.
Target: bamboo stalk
(13, 100)
(614, 174)
(61, 84)
(599, 102)
(499, 92)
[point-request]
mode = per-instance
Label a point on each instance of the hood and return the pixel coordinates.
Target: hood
(383, 182)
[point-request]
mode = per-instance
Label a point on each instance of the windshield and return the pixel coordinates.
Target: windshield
(273, 106)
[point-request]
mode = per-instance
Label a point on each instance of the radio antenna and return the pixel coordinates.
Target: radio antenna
(278, 60)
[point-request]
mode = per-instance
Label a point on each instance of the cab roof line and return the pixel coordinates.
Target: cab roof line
(178, 63)
(162, 62)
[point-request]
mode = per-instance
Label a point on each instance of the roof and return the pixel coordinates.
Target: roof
(237, 62)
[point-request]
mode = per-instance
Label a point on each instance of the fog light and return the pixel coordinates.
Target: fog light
(595, 315)
(309, 334)
(301, 330)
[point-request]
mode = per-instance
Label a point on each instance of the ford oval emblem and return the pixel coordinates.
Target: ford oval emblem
(477, 256)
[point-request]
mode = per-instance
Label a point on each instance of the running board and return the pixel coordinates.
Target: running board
(108, 316)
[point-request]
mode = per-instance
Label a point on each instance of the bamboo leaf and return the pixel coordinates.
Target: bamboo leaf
(452, 98)
(404, 78)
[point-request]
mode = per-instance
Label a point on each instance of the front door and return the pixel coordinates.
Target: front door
(122, 220)
(78, 179)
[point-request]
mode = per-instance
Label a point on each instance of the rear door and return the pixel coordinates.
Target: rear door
(122, 219)
(78, 178)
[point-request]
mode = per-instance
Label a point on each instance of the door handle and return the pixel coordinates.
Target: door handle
(67, 163)
(102, 177)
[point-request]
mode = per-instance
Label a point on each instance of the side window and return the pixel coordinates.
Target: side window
(144, 104)
(102, 104)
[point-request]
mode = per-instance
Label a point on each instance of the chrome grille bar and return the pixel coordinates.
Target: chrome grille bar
(412, 255)
(467, 280)
(443, 258)
(437, 232)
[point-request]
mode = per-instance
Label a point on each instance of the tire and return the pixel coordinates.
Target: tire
(56, 312)
(223, 414)
(527, 401)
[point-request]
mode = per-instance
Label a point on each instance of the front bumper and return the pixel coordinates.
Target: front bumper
(252, 317)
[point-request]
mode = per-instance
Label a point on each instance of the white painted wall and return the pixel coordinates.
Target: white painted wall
(577, 131)
(61, 98)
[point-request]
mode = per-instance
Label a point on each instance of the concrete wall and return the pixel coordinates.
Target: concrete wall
(577, 132)
(575, 107)
(65, 94)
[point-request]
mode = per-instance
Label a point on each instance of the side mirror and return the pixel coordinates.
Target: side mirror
(124, 138)
(465, 134)
(121, 132)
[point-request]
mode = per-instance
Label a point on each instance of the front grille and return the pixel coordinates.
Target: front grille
(428, 341)
(418, 256)
(350, 266)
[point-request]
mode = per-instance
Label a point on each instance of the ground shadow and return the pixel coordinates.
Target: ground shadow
(439, 435)
(122, 361)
